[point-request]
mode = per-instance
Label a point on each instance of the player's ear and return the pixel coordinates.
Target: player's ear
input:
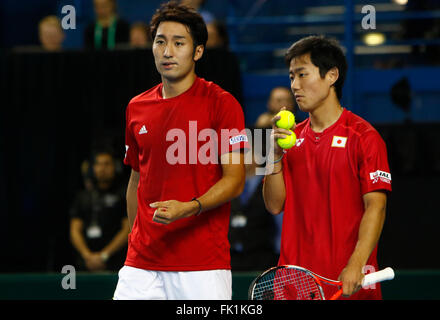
(198, 52)
(332, 75)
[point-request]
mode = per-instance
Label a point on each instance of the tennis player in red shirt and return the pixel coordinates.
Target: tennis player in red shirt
(184, 139)
(333, 184)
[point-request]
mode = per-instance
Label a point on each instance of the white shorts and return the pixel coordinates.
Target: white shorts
(139, 284)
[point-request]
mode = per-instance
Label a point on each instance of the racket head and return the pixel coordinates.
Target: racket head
(286, 283)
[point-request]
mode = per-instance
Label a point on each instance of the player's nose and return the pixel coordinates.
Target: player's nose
(294, 85)
(168, 51)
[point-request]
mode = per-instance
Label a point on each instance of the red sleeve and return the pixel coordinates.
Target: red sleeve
(229, 125)
(131, 148)
(374, 170)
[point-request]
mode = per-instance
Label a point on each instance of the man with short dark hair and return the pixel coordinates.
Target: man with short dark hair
(333, 184)
(178, 203)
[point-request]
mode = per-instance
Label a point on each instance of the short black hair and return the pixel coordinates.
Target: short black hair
(102, 149)
(324, 53)
(172, 11)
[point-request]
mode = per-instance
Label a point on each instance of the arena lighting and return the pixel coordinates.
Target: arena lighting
(374, 39)
(401, 2)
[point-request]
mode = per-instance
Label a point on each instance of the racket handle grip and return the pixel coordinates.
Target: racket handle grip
(371, 278)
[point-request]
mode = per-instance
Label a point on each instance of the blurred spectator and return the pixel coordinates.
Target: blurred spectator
(140, 37)
(252, 228)
(108, 30)
(217, 35)
(51, 34)
(99, 225)
(279, 97)
(198, 6)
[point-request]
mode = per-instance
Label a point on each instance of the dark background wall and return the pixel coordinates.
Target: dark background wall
(55, 109)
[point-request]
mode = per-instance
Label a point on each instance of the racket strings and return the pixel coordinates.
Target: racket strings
(287, 284)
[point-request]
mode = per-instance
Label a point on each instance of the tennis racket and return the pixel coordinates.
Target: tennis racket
(296, 283)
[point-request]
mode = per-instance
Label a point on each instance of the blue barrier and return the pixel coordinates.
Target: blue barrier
(296, 20)
(371, 94)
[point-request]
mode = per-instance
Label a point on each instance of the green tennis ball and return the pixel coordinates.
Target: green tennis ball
(287, 119)
(288, 142)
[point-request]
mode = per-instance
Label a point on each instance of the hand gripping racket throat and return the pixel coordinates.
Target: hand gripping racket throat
(296, 283)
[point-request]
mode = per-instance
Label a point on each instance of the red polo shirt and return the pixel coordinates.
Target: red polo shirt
(175, 144)
(326, 174)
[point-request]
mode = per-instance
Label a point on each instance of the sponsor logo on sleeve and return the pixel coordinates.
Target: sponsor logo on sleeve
(380, 175)
(238, 139)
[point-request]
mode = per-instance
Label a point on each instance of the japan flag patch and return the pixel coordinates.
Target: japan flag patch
(339, 142)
